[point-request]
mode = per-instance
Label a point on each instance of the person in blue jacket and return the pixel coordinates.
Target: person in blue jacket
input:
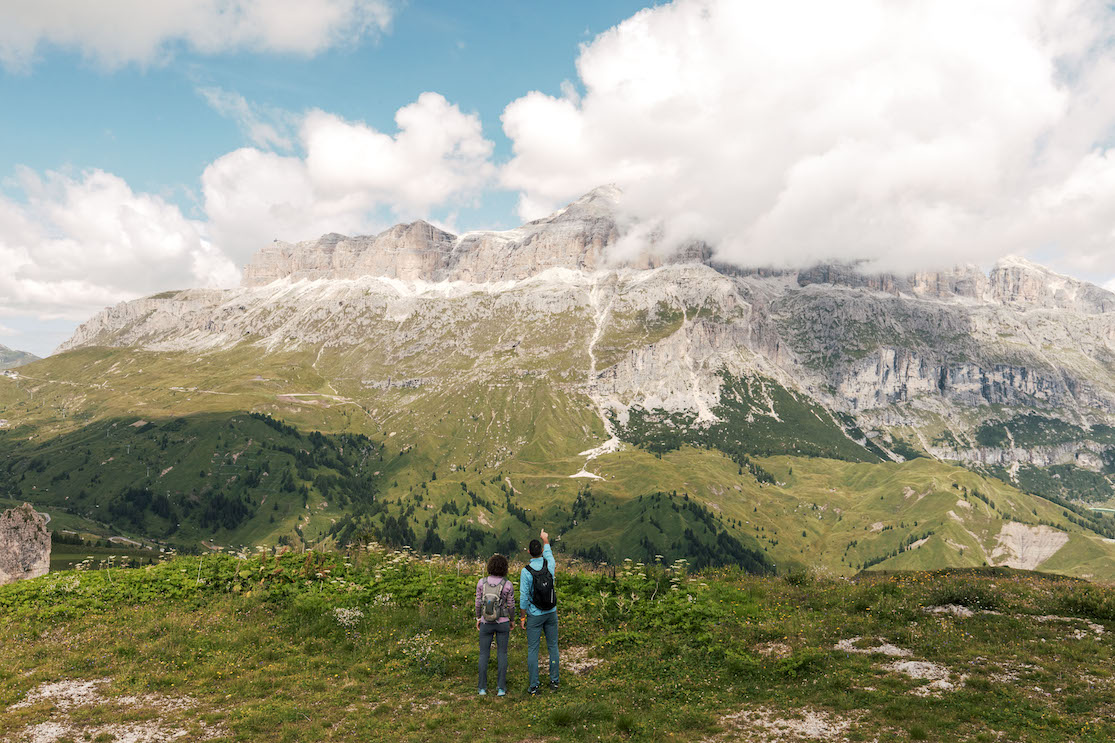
(537, 619)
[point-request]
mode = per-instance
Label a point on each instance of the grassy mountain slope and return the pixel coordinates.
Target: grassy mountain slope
(480, 466)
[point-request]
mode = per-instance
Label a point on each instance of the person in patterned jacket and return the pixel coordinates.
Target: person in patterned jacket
(495, 596)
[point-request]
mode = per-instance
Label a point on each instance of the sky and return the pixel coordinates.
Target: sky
(155, 146)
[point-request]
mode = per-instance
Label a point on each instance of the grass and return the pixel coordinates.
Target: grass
(265, 659)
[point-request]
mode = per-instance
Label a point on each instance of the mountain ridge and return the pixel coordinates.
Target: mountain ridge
(557, 386)
(10, 358)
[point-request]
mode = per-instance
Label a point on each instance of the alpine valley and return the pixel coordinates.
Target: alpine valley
(457, 393)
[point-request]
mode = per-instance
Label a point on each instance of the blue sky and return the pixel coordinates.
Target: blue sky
(147, 122)
(149, 125)
(155, 146)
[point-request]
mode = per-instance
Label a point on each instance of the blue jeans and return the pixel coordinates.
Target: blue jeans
(500, 632)
(536, 625)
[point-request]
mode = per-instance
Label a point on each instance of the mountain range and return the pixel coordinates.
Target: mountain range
(10, 358)
(454, 393)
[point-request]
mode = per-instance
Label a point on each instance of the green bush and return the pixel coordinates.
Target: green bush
(965, 593)
(1092, 602)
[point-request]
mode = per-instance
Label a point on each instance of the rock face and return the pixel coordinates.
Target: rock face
(24, 545)
(10, 358)
(575, 238)
(930, 356)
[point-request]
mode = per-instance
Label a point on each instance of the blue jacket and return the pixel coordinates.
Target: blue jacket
(526, 583)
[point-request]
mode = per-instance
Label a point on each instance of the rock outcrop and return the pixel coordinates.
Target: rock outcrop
(24, 544)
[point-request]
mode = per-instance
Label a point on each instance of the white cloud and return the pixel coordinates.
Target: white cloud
(74, 245)
(908, 133)
(348, 173)
(116, 32)
(264, 126)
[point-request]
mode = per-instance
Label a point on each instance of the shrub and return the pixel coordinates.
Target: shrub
(964, 593)
(424, 652)
(1092, 602)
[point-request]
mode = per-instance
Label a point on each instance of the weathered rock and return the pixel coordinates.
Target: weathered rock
(24, 544)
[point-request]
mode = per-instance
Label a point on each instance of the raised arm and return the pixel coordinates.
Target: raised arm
(547, 552)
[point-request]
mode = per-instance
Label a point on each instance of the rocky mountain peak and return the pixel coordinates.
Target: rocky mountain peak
(1017, 281)
(578, 237)
(601, 202)
(574, 237)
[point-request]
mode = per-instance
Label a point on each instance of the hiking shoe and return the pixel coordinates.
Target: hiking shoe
(483, 692)
(501, 693)
(553, 686)
(532, 690)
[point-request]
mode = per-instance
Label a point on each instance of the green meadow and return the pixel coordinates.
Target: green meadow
(371, 644)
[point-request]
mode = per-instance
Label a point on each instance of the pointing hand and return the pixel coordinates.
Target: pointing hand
(545, 537)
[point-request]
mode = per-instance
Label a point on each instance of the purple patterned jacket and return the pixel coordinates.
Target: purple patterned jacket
(507, 596)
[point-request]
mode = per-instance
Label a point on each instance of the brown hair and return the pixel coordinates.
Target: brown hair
(497, 565)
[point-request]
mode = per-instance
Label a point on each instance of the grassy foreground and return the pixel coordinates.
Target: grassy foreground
(377, 645)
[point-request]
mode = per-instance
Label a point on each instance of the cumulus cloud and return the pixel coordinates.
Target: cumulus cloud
(347, 173)
(117, 32)
(75, 244)
(907, 134)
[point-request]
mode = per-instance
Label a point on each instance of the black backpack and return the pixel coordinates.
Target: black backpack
(542, 595)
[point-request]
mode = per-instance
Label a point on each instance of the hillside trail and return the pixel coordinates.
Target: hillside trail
(601, 312)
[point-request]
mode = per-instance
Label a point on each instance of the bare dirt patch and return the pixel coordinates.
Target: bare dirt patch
(774, 650)
(857, 645)
(1025, 547)
(578, 662)
(773, 726)
(908, 493)
(1078, 633)
(940, 677)
(66, 696)
(954, 609)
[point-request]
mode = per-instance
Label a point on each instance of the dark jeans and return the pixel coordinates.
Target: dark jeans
(501, 631)
(536, 625)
